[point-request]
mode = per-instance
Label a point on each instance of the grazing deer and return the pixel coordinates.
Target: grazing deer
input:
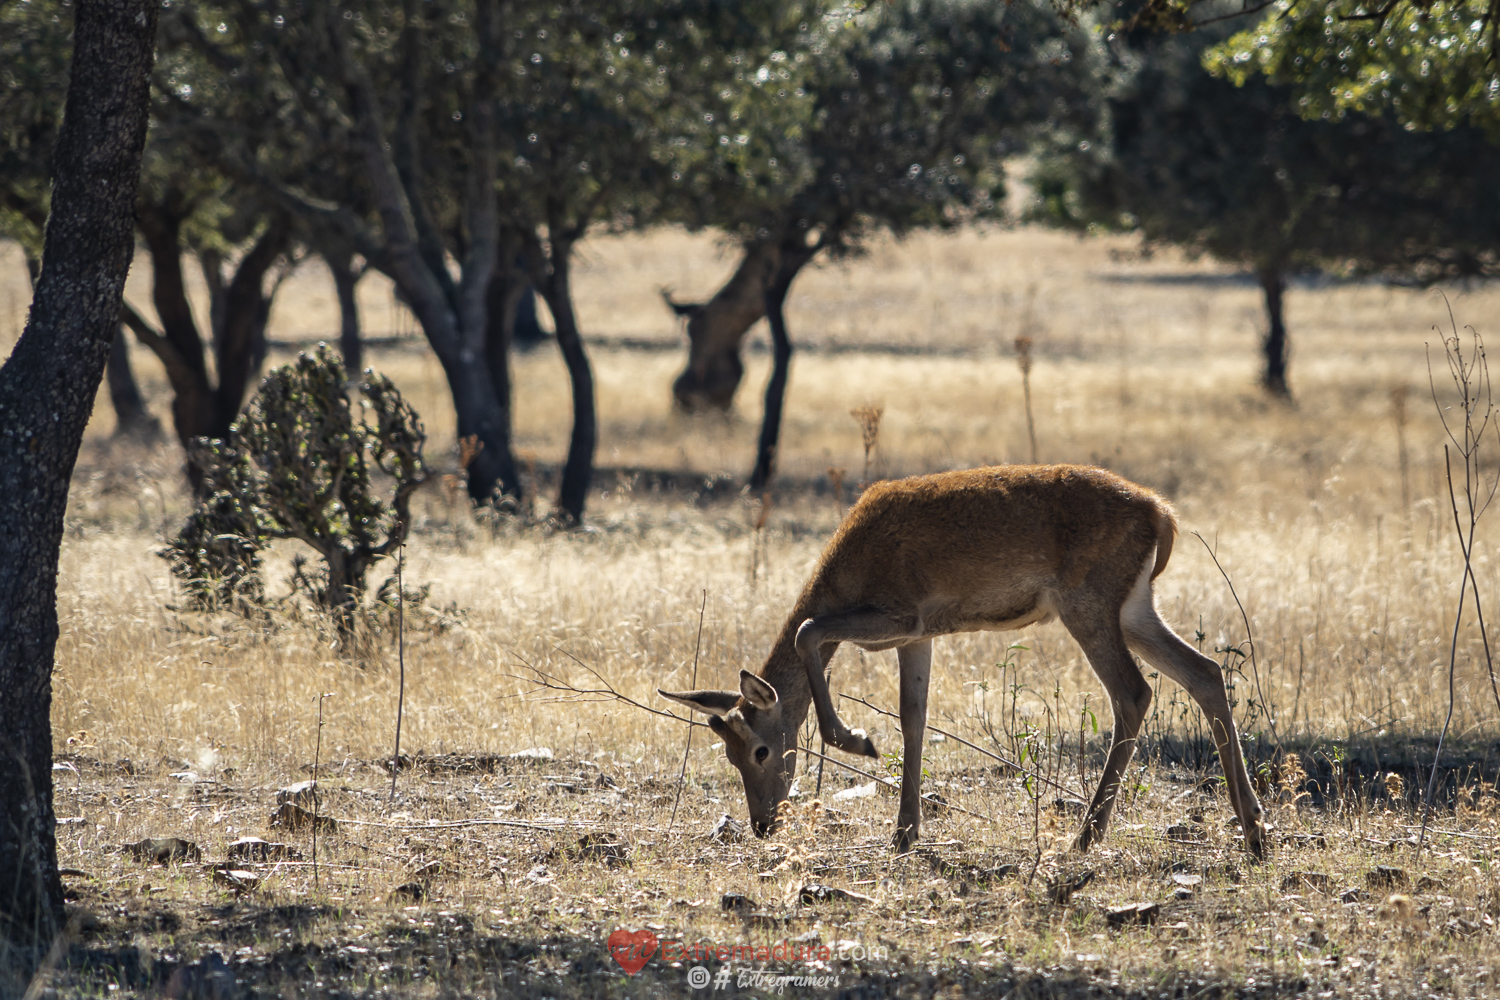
(982, 549)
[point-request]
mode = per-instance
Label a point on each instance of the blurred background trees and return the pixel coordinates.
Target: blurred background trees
(1188, 158)
(891, 120)
(463, 148)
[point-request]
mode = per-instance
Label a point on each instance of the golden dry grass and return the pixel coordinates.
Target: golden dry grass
(1147, 367)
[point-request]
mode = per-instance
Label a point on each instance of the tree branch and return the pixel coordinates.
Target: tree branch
(151, 338)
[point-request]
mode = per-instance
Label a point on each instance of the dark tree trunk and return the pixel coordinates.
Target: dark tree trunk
(47, 390)
(528, 328)
(716, 331)
(508, 287)
(132, 419)
(345, 588)
(211, 263)
(578, 471)
(179, 344)
(781, 363)
(242, 308)
(480, 415)
(409, 249)
(1273, 283)
(345, 281)
(241, 345)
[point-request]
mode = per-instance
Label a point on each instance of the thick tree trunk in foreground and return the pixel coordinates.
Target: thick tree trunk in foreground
(1273, 283)
(716, 332)
(132, 419)
(47, 392)
(781, 363)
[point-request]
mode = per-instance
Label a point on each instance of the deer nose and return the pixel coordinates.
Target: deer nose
(763, 829)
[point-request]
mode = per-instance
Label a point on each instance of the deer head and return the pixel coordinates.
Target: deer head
(756, 740)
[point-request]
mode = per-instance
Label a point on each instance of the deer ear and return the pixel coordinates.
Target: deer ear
(757, 692)
(707, 702)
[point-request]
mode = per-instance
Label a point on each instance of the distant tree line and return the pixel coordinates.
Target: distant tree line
(462, 148)
(1187, 157)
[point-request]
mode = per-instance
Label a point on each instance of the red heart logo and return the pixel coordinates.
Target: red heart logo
(632, 949)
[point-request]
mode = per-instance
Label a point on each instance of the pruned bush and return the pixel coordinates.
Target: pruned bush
(298, 465)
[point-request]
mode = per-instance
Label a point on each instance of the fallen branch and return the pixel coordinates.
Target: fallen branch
(1450, 833)
(457, 823)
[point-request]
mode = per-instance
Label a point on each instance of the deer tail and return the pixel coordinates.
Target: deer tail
(1166, 534)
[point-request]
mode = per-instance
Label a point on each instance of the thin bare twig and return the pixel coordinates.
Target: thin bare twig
(1453, 833)
(317, 756)
(401, 661)
(697, 645)
(959, 739)
(544, 680)
(1471, 377)
(1458, 617)
(1250, 637)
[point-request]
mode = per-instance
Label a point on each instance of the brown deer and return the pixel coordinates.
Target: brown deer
(982, 549)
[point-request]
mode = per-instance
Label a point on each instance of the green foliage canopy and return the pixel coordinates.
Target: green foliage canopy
(1433, 64)
(1240, 172)
(895, 116)
(35, 45)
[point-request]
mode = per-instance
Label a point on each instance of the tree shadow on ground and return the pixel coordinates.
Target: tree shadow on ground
(453, 958)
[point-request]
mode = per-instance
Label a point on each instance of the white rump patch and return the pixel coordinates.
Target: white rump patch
(1138, 614)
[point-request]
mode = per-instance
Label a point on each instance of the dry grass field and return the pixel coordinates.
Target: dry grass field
(497, 874)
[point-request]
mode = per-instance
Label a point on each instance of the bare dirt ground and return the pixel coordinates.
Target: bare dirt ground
(492, 873)
(506, 875)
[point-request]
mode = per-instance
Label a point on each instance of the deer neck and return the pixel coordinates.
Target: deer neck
(785, 672)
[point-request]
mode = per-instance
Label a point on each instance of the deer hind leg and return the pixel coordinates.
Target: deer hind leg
(867, 627)
(1165, 650)
(916, 670)
(1103, 642)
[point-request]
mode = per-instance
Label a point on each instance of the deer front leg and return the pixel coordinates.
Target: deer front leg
(864, 627)
(916, 671)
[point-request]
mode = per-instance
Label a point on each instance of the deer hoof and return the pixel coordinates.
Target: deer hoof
(1256, 842)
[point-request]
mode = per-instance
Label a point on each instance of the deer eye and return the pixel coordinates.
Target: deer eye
(761, 753)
